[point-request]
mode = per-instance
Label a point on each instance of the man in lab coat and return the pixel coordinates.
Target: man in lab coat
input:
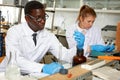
(19, 39)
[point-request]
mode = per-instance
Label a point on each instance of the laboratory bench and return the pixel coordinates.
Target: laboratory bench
(77, 73)
(1, 58)
(74, 73)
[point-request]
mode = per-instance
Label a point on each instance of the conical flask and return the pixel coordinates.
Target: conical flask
(12, 70)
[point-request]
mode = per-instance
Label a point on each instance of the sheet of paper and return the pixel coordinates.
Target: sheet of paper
(38, 75)
(107, 73)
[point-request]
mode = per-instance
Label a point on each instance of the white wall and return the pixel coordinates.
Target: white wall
(69, 18)
(102, 20)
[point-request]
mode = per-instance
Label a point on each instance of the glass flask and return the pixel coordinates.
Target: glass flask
(12, 70)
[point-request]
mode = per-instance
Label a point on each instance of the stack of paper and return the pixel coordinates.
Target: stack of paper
(93, 64)
(107, 73)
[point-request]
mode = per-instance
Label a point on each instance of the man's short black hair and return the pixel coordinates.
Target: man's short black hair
(32, 5)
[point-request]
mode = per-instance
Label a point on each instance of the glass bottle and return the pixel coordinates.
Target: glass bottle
(79, 57)
(12, 70)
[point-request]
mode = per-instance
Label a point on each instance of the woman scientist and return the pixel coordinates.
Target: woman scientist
(84, 35)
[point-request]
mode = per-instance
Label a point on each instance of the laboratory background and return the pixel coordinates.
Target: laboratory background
(62, 14)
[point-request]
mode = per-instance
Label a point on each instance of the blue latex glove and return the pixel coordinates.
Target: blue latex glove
(79, 38)
(100, 48)
(52, 68)
(110, 48)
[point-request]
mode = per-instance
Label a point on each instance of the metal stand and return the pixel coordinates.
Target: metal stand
(52, 25)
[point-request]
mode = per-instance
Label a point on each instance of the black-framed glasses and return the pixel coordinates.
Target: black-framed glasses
(39, 18)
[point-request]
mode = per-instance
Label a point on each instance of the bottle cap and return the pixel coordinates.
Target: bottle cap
(63, 71)
(80, 50)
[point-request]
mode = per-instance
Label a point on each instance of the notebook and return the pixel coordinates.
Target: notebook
(93, 64)
(107, 73)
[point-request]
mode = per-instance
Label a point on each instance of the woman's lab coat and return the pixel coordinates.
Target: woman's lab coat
(19, 39)
(92, 37)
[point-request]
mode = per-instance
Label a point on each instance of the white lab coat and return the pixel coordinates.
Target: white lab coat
(92, 37)
(19, 39)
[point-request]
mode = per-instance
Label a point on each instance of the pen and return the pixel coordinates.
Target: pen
(109, 57)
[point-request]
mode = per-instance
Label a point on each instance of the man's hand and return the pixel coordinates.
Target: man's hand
(52, 68)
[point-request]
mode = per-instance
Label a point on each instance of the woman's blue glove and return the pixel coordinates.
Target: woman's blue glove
(110, 48)
(52, 68)
(79, 38)
(100, 48)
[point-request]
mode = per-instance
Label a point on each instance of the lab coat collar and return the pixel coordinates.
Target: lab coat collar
(80, 29)
(40, 32)
(29, 31)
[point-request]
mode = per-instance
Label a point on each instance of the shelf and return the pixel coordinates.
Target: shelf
(108, 11)
(12, 5)
(101, 4)
(64, 9)
(77, 10)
